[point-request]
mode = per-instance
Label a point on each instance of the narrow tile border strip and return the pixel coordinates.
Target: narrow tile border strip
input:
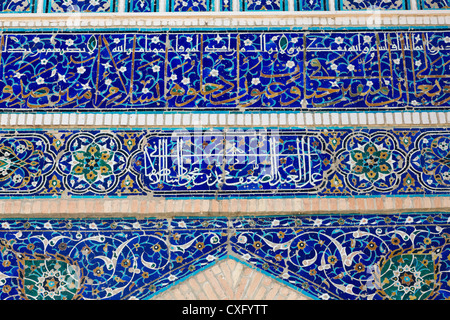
(160, 207)
(256, 119)
(332, 19)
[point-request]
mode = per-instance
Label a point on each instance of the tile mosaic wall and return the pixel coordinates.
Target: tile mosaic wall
(263, 5)
(372, 5)
(189, 5)
(388, 256)
(18, 6)
(79, 6)
(434, 4)
(228, 71)
(210, 162)
(142, 6)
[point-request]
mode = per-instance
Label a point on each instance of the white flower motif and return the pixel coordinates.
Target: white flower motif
(324, 296)
(255, 81)
(21, 148)
(155, 39)
(17, 178)
(92, 225)
(339, 40)
(81, 70)
(369, 83)
(367, 39)
(396, 61)
(363, 221)
(173, 77)
(18, 75)
(116, 40)
(246, 256)
(36, 39)
(317, 222)
(5, 225)
(156, 68)
(172, 278)
(86, 86)
(214, 73)
(248, 42)
(418, 63)
(40, 80)
(195, 4)
(145, 90)
(44, 62)
(108, 82)
(181, 224)
(61, 77)
(185, 81)
(334, 66)
(242, 239)
(275, 222)
(409, 219)
(443, 146)
(210, 258)
(290, 64)
(123, 69)
(285, 275)
(294, 40)
(136, 225)
(189, 39)
(94, 2)
(69, 42)
(350, 67)
(415, 103)
(447, 39)
(446, 175)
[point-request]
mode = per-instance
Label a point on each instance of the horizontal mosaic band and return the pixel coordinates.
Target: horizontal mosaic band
(371, 19)
(225, 163)
(225, 119)
(368, 257)
(28, 6)
(225, 71)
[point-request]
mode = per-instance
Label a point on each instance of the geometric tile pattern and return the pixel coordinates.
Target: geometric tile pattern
(433, 4)
(224, 163)
(17, 6)
(263, 71)
(79, 6)
(142, 6)
(371, 5)
(190, 5)
(330, 256)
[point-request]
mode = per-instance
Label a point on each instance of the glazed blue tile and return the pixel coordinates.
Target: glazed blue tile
(142, 6)
(436, 4)
(332, 256)
(51, 6)
(243, 162)
(21, 6)
(260, 71)
(263, 5)
(189, 5)
(310, 5)
(362, 261)
(371, 4)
